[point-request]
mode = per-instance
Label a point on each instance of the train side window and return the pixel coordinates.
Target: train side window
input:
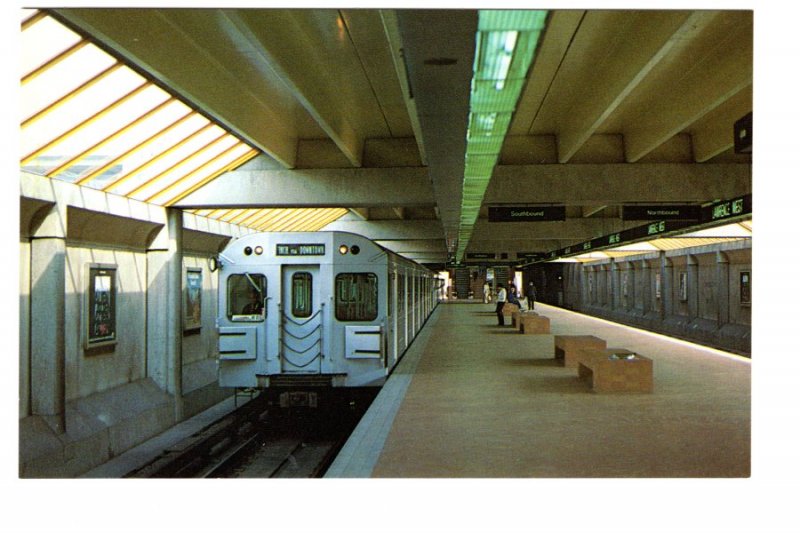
(356, 297)
(246, 296)
(301, 294)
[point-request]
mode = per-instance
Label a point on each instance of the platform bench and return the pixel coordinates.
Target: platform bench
(509, 309)
(567, 346)
(534, 324)
(516, 317)
(610, 370)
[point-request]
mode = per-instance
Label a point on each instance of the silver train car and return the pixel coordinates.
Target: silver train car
(316, 309)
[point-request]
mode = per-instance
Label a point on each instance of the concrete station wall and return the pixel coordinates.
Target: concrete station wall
(80, 406)
(692, 293)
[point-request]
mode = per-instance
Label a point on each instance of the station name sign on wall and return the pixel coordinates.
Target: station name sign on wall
(527, 213)
(299, 249)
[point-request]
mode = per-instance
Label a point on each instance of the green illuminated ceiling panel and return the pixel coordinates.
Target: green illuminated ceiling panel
(505, 47)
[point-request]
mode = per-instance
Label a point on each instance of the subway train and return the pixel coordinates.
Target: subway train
(302, 312)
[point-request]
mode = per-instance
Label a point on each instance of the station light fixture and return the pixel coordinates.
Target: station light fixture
(504, 50)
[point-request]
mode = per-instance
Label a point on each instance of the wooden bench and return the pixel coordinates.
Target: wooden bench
(567, 346)
(611, 370)
(534, 324)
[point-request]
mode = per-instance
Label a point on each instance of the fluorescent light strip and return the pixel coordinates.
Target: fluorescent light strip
(504, 50)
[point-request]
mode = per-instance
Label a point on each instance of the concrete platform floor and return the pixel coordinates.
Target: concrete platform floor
(488, 402)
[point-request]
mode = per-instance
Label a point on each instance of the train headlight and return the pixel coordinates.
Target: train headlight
(248, 250)
(259, 250)
(343, 249)
(355, 249)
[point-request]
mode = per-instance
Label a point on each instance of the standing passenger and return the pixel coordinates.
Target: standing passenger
(530, 293)
(487, 290)
(501, 301)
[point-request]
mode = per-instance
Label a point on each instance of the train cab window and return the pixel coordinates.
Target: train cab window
(301, 294)
(356, 297)
(246, 296)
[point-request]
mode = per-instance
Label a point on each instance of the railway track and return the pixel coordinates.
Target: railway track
(252, 443)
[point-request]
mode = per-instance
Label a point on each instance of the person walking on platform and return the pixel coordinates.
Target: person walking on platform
(501, 301)
(530, 294)
(487, 293)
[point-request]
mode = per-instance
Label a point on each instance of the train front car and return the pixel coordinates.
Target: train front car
(300, 313)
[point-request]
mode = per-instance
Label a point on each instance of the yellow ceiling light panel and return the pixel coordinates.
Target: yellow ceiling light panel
(210, 162)
(89, 119)
(84, 161)
(177, 148)
(249, 153)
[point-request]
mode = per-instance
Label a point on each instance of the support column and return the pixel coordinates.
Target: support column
(693, 286)
(47, 290)
(616, 296)
(175, 303)
(164, 309)
(723, 289)
(666, 307)
(646, 284)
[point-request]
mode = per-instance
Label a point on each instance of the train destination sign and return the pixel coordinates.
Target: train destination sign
(527, 213)
(661, 212)
(299, 249)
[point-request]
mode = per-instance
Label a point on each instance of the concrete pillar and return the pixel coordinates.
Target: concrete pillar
(47, 290)
(175, 303)
(723, 289)
(614, 281)
(693, 286)
(628, 290)
(645, 284)
(164, 309)
(666, 307)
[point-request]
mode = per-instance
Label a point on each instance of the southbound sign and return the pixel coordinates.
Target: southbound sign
(527, 213)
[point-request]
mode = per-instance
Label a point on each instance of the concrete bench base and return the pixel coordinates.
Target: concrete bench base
(607, 374)
(567, 346)
(533, 324)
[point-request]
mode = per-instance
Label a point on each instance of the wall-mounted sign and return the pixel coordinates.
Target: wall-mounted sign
(299, 249)
(527, 213)
(743, 135)
(101, 305)
(661, 212)
(192, 303)
(480, 255)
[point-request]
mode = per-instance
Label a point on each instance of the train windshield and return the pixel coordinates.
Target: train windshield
(356, 297)
(247, 294)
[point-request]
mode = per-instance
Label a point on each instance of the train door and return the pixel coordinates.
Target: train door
(243, 335)
(300, 320)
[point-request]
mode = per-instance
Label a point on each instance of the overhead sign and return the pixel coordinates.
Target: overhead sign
(480, 255)
(729, 209)
(661, 212)
(299, 249)
(527, 213)
(718, 211)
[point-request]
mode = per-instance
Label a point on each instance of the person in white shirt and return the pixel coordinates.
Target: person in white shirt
(501, 301)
